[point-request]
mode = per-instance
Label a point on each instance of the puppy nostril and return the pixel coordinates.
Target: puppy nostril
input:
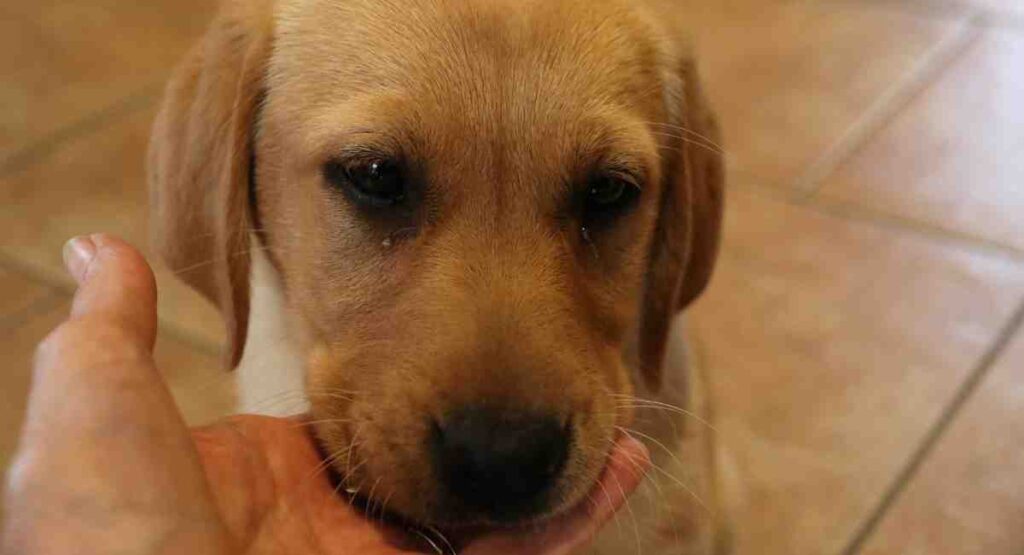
(499, 462)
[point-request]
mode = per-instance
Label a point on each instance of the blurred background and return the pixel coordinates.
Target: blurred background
(862, 335)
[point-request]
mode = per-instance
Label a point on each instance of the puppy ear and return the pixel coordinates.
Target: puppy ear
(200, 157)
(686, 237)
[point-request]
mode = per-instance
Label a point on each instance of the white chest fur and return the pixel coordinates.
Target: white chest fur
(271, 374)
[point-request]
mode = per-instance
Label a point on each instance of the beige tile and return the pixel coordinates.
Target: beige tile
(94, 183)
(832, 346)
(789, 78)
(18, 293)
(65, 60)
(202, 389)
(968, 497)
(953, 159)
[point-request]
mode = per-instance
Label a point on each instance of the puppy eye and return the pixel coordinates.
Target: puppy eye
(375, 183)
(608, 196)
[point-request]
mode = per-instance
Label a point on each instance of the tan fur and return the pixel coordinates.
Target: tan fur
(490, 293)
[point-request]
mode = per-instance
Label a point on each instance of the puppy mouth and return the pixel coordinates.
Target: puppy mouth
(451, 535)
(516, 503)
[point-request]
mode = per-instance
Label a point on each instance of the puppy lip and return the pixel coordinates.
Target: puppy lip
(566, 495)
(464, 520)
(481, 524)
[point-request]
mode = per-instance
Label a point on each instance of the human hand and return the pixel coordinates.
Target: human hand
(107, 465)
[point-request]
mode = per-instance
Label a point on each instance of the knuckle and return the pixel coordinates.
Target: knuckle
(52, 344)
(89, 341)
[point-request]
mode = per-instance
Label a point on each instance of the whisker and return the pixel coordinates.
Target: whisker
(343, 394)
(351, 471)
(685, 488)
(384, 507)
(193, 267)
(352, 493)
(323, 421)
(693, 142)
(294, 403)
(436, 532)
(663, 471)
(428, 540)
(664, 501)
(690, 415)
(639, 402)
(370, 503)
(217, 233)
(688, 131)
(299, 396)
(657, 487)
(608, 497)
(324, 464)
(336, 456)
(640, 473)
(632, 515)
(337, 488)
(351, 448)
(275, 400)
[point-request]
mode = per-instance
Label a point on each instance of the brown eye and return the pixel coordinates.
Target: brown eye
(606, 192)
(374, 183)
(607, 197)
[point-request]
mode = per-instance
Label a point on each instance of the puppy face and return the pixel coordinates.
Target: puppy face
(483, 214)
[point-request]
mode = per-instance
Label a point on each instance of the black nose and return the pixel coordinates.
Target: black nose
(500, 463)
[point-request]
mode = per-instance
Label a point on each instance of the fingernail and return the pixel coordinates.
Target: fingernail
(78, 253)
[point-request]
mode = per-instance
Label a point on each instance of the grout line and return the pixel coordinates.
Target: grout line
(38, 150)
(887, 106)
(929, 231)
(42, 148)
(884, 220)
(994, 17)
(61, 287)
(936, 432)
(920, 8)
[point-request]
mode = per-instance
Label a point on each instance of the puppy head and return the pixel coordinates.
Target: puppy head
(484, 214)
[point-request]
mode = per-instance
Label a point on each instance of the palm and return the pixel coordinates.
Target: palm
(274, 494)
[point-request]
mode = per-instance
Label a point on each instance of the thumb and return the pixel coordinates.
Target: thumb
(105, 458)
(115, 284)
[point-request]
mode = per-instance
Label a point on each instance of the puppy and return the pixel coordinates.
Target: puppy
(463, 229)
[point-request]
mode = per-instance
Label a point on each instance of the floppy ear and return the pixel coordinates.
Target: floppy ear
(200, 155)
(686, 237)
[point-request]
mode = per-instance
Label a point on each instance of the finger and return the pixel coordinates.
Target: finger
(103, 351)
(99, 362)
(627, 464)
(103, 440)
(114, 284)
(626, 469)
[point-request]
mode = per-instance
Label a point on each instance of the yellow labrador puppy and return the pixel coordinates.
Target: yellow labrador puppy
(463, 229)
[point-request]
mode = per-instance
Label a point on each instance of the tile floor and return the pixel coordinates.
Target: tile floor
(864, 332)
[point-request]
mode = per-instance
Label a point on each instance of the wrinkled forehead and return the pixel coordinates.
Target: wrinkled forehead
(515, 71)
